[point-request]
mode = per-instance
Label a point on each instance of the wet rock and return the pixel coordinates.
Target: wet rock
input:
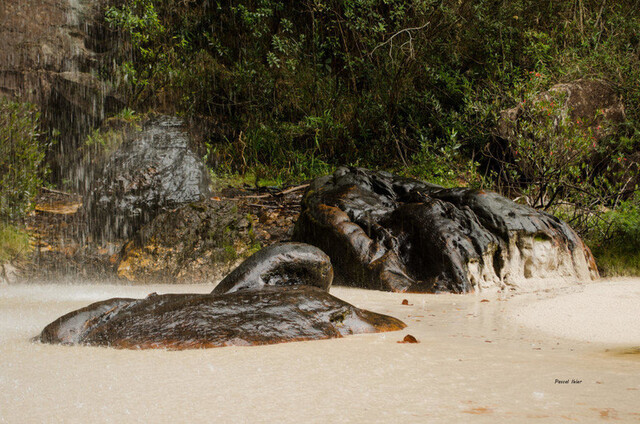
(282, 264)
(391, 233)
(199, 242)
(152, 172)
(70, 328)
(409, 339)
(189, 321)
(51, 52)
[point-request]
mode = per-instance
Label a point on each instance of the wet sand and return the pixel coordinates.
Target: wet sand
(481, 358)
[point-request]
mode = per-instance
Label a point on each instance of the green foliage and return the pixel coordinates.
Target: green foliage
(337, 82)
(615, 240)
(128, 115)
(21, 155)
(147, 64)
(100, 144)
(292, 89)
(103, 141)
(383, 83)
(14, 243)
(548, 152)
(444, 164)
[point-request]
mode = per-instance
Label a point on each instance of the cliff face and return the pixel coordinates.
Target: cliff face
(50, 55)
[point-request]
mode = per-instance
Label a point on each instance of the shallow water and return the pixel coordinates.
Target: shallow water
(486, 361)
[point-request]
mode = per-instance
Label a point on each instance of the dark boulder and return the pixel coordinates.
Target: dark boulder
(392, 233)
(270, 299)
(154, 171)
(189, 321)
(282, 264)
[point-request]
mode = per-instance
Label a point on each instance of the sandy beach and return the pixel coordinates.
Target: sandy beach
(605, 312)
(568, 354)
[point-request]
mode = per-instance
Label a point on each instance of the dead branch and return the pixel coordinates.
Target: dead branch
(64, 193)
(292, 189)
(402, 31)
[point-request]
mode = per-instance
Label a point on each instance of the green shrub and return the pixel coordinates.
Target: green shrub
(14, 243)
(615, 240)
(21, 157)
(444, 164)
(548, 153)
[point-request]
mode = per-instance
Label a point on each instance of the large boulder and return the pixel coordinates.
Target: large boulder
(594, 104)
(195, 243)
(281, 264)
(276, 307)
(195, 321)
(154, 171)
(387, 232)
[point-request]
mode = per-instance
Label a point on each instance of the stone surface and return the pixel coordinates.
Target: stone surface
(70, 328)
(391, 233)
(197, 243)
(152, 172)
(50, 55)
(282, 264)
(595, 103)
(189, 321)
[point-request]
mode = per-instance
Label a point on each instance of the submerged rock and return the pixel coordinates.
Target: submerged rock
(150, 173)
(198, 242)
(190, 321)
(283, 264)
(387, 232)
(70, 328)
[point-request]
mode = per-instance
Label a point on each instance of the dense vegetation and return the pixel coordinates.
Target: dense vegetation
(287, 90)
(377, 82)
(290, 89)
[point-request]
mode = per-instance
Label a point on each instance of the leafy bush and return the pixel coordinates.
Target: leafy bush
(546, 158)
(382, 83)
(291, 89)
(21, 156)
(615, 241)
(13, 243)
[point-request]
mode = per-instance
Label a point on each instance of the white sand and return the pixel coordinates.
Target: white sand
(602, 312)
(475, 363)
